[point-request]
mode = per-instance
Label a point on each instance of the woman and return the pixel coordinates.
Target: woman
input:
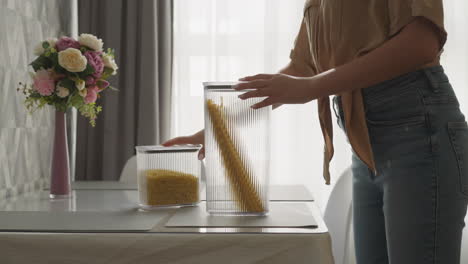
(400, 114)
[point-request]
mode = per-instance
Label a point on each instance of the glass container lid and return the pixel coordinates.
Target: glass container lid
(226, 86)
(163, 149)
(219, 85)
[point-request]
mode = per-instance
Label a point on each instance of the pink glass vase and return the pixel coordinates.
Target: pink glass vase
(60, 171)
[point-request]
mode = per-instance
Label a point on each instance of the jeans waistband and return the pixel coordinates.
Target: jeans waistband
(435, 75)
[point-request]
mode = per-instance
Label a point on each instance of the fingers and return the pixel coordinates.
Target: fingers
(255, 93)
(256, 84)
(268, 101)
(201, 153)
(262, 76)
(177, 141)
(184, 140)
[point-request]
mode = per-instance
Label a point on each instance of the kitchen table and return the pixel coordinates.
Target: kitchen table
(159, 244)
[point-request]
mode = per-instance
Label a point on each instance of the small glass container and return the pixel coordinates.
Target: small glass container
(237, 152)
(168, 176)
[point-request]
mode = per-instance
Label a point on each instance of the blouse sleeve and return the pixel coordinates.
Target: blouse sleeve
(300, 54)
(402, 12)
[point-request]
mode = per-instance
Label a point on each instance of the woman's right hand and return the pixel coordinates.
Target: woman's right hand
(197, 138)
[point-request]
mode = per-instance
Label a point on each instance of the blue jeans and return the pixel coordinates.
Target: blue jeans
(412, 210)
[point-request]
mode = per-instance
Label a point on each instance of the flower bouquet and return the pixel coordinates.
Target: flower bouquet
(68, 73)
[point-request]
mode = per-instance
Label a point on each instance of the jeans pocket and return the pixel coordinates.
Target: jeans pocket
(458, 133)
(404, 122)
(398, 107)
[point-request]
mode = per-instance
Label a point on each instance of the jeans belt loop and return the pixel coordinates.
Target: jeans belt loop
(432, 81)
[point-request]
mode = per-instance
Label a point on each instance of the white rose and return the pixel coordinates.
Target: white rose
(109, 62)
(62, 92)
(72, 60)
(80, 84)
(83, 92)
(39, 50)
(91, 42)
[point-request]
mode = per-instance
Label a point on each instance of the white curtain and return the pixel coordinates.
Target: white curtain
(455, 56)
(222, 40)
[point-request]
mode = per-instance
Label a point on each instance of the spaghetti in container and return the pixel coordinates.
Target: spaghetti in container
(168, 176)
(237, 152)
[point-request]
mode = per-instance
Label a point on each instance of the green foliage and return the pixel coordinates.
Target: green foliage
(41, 62)
(35, 101)
(88, 71)
(90, 111)
(111, 53)
(84, 49)
(60, 106)
(107, 73)
(69, 84)
(53, 57)
(113, 88)
(76, 100)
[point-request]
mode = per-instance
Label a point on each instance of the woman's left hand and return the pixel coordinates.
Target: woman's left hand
(277, 88)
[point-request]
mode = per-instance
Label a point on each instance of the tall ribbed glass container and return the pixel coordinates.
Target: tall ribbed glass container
(168, 176)
(237, 142)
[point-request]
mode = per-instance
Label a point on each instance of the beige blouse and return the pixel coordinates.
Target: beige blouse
(335, 32)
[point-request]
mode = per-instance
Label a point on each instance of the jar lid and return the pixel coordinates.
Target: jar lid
(223, 86)
(163, 149)
(219, 85)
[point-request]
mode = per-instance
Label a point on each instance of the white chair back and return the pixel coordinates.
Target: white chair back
(338, 217)
(464, 247)
(129, 171)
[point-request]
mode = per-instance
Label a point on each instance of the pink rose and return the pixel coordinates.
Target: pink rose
(91, 96)
(95, 60)
(65, 42)
(44, 83)
(95, 88)
(102, 84)
(90, 81)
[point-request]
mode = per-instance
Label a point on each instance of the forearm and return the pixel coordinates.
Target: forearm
(416, 45)
(292, 70)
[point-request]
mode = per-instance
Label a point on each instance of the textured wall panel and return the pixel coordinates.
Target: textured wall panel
(25, 140)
